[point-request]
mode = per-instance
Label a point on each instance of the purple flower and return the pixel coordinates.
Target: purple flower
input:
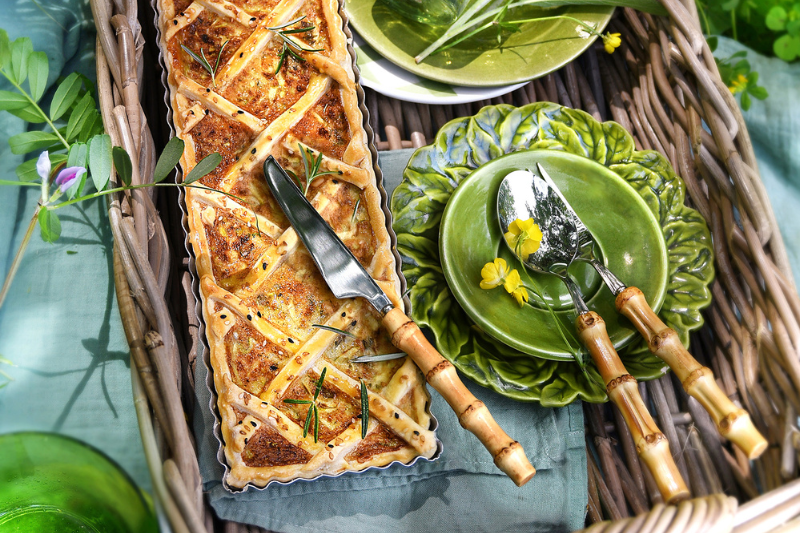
(68, 177)
(43, 166)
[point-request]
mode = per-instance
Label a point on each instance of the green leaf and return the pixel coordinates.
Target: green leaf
(21, 50)
(93, 125)
(29, 114)
(11, 101)
(27, 171)
(713, 42)
(65, 95)
(169, 158)
(793, 27)
(759, 93)
(122, 162)
(5, 49)
(746, 101)
(776, 18)
(38, 70)
(205, 166)
(49, 225)
(730, 5)
(30, 141)
(100, 160)
(79, 115)
(78, 153)
(787, 47)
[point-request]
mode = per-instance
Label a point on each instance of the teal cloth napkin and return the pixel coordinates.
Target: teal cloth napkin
(461, 491)
(60, 324)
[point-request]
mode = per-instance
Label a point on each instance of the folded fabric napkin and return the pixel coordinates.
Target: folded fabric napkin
(461, 491)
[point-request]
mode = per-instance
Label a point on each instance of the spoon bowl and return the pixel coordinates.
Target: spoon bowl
(522, 196)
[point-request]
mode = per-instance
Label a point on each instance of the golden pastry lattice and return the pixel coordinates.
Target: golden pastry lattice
(261, 291)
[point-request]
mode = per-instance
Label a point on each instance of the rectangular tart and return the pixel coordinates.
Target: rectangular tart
(263, 298)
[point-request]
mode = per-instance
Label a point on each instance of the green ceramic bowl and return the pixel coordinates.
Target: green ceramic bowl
(435, 172)
(537, 49)
(628, 235)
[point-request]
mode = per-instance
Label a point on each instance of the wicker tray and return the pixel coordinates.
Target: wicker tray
(663, 86)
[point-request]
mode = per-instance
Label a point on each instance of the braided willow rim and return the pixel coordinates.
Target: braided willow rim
(662, 85)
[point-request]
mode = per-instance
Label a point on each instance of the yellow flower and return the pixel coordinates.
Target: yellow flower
(738, 85)
(611, 41)
(512, 281)
(524, 237)
(520, 295)
(494, 274)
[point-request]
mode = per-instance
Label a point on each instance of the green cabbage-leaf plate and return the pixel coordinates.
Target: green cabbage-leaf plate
(465, 144)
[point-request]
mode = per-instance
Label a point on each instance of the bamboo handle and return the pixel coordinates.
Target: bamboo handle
(698, 381)
(651, 444)
(472, 413)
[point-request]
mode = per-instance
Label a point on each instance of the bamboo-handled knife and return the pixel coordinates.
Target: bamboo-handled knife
(348, 279)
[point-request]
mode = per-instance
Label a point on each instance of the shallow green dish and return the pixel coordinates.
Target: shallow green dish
(627, 232)
(538, 49)
(463, 145)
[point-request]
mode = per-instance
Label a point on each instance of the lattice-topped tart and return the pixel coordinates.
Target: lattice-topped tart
(263, 297)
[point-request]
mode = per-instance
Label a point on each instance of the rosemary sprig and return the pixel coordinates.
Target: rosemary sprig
(291, 46)
(333, 329)
(204, 62)
(312, 410)
(311, 164)
(355, 211)
(364, 410)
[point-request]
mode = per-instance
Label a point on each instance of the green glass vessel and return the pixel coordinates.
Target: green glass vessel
(54, 483)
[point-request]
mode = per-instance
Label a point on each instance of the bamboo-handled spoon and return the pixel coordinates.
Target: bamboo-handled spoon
(732, 422)
(523, 196)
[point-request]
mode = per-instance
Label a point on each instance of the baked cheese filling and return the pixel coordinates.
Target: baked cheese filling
(253, 79)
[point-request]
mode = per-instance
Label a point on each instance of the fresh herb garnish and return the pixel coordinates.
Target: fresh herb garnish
(355, 211)
(312, 410)
(291, 46)
(333, 329)
(204, 62)
(311, 164)
(364, 410)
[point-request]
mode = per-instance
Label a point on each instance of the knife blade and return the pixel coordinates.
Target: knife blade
(347, 278)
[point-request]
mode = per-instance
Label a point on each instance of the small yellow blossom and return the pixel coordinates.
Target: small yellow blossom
(497, 273)
(520, 295)
(512, 281)
(524, 236)
(611, 41)
(738, 85)
(494, 274)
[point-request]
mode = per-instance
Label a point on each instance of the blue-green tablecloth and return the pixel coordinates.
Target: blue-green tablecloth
(61, 327)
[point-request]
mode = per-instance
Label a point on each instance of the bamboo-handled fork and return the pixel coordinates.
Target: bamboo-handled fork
(732, 422)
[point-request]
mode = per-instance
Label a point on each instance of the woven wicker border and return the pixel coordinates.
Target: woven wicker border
(663, 86)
